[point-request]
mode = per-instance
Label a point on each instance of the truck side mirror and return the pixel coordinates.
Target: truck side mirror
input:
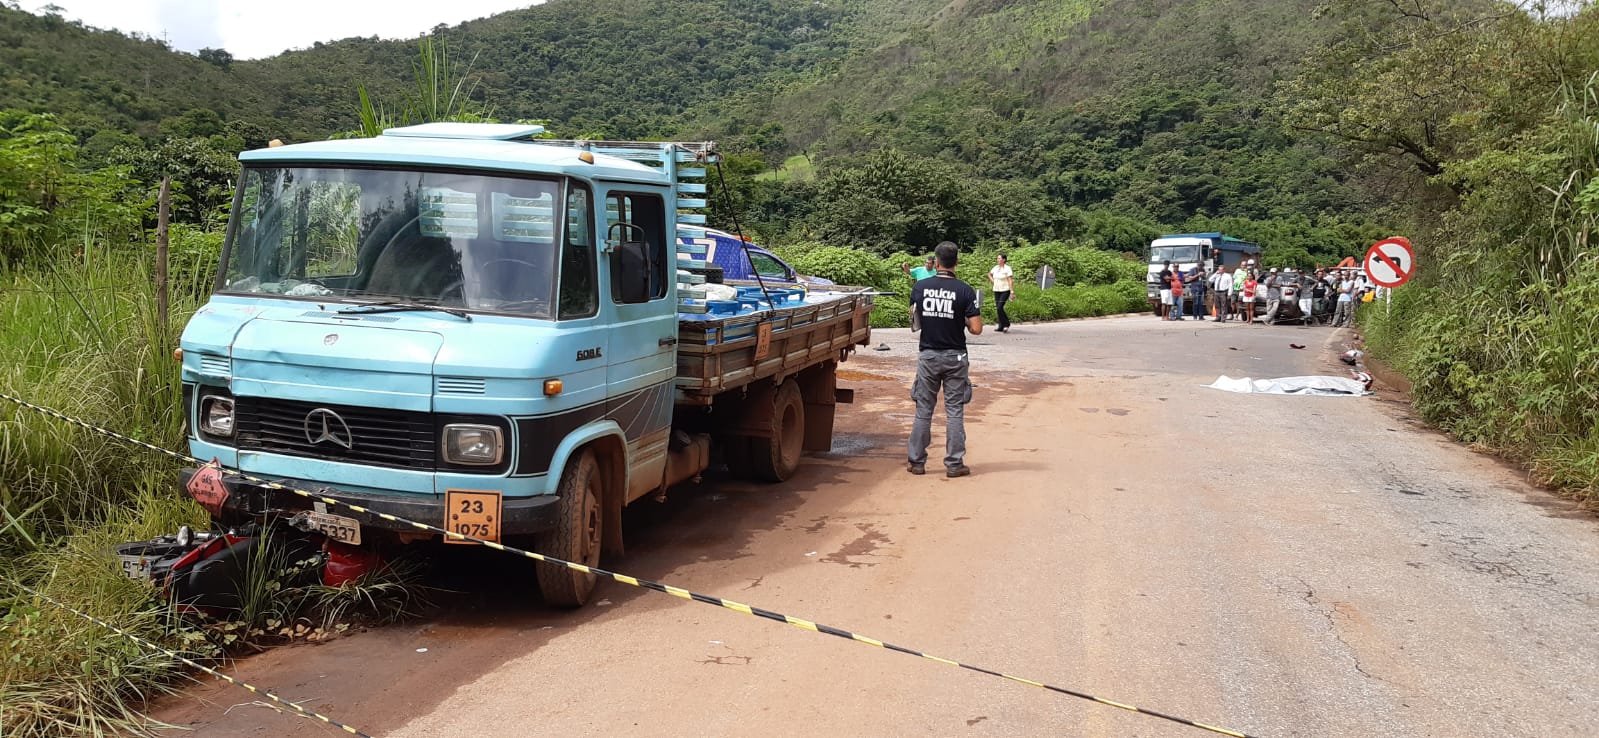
(631, 271)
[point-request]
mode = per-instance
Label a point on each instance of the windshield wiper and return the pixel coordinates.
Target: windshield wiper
(399, 306)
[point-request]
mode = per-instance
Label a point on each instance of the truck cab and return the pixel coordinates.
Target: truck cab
(465, 326)
(1188, 251)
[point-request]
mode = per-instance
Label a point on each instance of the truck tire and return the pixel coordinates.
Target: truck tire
(576, 536)
(776, 458)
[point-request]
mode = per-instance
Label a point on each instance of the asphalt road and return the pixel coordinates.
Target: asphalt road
(1276, 565)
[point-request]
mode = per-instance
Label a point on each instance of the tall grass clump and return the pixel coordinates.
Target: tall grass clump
(81, 337)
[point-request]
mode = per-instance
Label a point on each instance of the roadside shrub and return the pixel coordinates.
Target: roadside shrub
(793, 252)
(1057, 302)
(1132, 269)
(973, 268)
(1094, 266)
(891, 311)
(844, 266)
(1026, 260)
(1130, 295)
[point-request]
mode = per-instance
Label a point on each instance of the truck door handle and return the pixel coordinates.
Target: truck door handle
(669, 341)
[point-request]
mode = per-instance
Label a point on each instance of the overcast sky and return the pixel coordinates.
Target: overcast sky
(251, 29)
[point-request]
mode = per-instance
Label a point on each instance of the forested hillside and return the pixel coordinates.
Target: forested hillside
(1052, 116)
(611, 67)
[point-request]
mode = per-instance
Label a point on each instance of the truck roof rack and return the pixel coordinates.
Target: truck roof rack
(671, 156)
(473, 131)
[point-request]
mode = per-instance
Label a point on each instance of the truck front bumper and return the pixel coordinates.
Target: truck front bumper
(247, 500)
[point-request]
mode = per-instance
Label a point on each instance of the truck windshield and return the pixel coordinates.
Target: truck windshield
(375, 235)
(1175, 254)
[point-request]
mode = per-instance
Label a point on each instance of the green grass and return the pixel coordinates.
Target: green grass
(82, 338)
(798, 168)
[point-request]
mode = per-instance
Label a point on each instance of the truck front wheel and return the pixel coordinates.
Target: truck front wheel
(576, 537)
(775, 458)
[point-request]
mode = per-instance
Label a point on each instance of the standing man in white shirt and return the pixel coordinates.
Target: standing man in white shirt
(1000, 276)
(1223, 291)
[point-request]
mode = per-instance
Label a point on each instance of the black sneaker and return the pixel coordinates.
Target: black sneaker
(917, 469)
(959, 471)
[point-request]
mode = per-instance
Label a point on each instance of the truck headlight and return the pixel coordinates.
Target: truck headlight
(473, 445)
(216, 416)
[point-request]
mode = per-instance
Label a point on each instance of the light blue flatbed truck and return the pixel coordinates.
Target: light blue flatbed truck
(470, 327)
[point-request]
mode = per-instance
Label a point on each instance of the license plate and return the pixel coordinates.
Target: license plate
(335, 527)
(472, 513)
(136, 568)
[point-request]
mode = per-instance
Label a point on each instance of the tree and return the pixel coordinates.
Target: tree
(1395, 86)
(217, 57)
(203, 174)
(47, 200)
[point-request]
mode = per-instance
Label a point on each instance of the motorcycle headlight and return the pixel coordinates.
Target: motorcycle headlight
(216, 416)
(473, 445)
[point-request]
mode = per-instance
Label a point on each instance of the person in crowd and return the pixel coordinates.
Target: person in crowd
(1177, 294)
(1221, 294)
(1318, 292)
(1274, 295)
(946, 309)
(1000, 277)
(1165, 292)
(1210, 292)
(1247, 296)
(1240, 277)
(1345, 314)
(917, 274)
(1196, 289)
(927, 269)
(1306, 301)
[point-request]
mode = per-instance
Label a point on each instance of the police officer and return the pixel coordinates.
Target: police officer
(945, 308)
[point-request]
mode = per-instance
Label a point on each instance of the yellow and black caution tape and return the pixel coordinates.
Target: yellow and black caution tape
(202, 667)
(634, 581)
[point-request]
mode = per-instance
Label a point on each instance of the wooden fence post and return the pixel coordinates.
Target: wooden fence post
(163, 207)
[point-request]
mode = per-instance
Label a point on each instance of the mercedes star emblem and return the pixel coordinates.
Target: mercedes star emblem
(323, 424)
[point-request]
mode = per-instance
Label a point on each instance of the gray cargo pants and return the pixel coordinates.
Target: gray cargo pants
(1345, 316)
(947, 370)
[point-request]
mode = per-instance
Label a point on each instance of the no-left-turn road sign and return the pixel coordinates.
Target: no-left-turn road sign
(1390, 262)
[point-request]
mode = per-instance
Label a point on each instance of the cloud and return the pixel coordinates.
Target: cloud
(251, 29)
(190, 26)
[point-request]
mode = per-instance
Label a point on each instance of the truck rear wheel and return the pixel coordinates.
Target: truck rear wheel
(576, 536)
(776, 458)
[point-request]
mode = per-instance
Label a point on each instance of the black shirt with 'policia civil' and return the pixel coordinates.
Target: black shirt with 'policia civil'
(944, 304)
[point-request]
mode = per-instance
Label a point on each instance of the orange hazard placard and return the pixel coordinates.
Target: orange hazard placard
(206, 487)
(474, 513)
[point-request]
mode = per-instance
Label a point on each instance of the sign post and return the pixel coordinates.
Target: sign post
(1390, 262)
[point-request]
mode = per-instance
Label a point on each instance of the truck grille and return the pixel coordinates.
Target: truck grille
(398, 439)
